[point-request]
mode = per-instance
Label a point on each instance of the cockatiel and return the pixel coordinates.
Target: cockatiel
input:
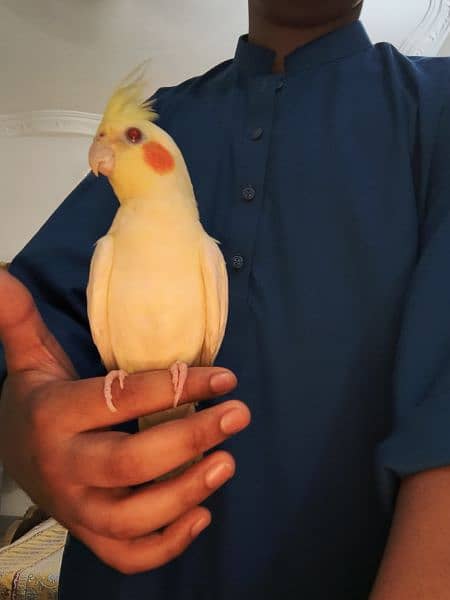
(157, 295)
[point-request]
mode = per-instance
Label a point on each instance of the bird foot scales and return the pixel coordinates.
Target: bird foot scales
(178, 370)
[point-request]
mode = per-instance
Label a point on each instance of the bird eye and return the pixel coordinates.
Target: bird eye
(134, 135)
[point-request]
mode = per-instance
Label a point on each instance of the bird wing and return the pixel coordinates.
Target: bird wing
(215, 281)
(97, 298)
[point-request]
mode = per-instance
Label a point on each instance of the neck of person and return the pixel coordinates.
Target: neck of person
(284, 39)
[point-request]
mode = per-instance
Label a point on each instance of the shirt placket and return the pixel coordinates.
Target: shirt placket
(251, 154)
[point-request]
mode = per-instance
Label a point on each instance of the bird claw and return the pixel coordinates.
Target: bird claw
(179, 371)
(119, 374)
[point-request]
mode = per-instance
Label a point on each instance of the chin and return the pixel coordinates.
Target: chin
(304, 12)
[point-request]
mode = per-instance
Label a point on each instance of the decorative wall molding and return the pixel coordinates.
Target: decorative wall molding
(49, 122)
(429, 35)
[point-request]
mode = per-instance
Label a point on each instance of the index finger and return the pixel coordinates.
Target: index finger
(81, 406)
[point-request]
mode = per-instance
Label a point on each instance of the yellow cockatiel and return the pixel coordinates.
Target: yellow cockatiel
(157, 295)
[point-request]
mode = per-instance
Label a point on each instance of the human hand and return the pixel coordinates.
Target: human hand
(56, 442)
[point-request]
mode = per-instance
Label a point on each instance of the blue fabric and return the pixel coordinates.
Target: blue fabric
(329, 188)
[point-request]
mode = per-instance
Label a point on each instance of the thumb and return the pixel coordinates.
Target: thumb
(27, 342)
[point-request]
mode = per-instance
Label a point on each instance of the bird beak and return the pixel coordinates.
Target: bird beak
(101, 157)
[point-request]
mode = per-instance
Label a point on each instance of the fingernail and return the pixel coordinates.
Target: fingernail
(231, 422)
(221, 382)
(218, 474)
(199, 526)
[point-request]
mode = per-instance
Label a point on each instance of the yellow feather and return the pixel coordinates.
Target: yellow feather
(128, 102)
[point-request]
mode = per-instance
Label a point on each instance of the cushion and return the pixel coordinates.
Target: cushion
(30, 566)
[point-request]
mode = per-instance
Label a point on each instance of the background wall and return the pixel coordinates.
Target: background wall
(60, 59)
(445, 48)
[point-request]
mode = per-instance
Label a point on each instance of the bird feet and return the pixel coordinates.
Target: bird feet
(179, 371)
(119, 374)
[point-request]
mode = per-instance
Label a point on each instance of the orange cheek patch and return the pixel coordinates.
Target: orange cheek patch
(158, 157)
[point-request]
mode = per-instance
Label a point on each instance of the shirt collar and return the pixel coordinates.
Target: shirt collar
(347, 40)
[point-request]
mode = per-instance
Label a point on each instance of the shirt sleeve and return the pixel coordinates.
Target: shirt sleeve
(420, 437)
(54, 266)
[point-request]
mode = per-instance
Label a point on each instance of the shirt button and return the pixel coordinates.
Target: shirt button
(238, 262)
(279, 85)
(248, 193)
(256, 133)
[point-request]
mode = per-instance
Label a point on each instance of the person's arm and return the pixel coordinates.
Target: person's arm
(416, 563)
(415, 458)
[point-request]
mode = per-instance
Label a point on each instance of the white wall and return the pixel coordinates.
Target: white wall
(445, 49)
(67, 55)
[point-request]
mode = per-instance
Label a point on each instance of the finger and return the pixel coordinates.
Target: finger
(81, 405)
(27, 341)
(129, 515)
(147, 552)
(118, 460)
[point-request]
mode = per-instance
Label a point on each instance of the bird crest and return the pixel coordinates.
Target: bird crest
(128, 102)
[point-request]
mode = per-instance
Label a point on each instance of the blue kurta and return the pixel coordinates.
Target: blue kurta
(329, 188)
